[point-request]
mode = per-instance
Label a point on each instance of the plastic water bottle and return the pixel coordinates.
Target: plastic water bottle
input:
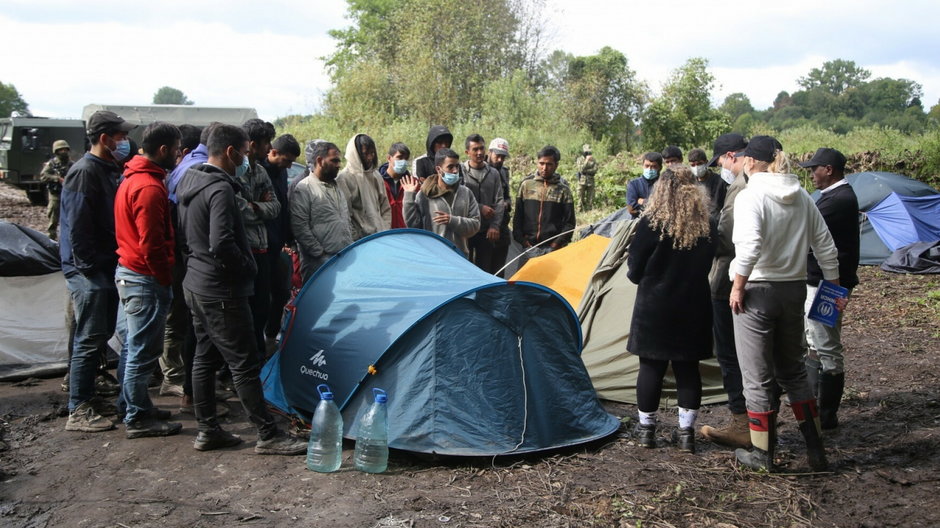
(325, 448)
(372, 439)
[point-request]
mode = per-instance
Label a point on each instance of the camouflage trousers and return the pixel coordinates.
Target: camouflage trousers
(52, 212)
(586, 190)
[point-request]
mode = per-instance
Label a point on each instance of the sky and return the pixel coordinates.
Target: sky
(62, 54)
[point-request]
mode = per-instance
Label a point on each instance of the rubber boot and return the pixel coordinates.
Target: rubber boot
(763, 430)
(830, 396)
(812, 377)
(808, 420)
(735, 434)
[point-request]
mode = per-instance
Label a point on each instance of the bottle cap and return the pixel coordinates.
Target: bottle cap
(324, 391)
(380, 396)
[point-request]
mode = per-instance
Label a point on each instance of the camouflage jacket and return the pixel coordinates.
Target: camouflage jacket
(52, 174)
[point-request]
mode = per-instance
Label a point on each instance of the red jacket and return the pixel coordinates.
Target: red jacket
(142, 221)
(396, 202)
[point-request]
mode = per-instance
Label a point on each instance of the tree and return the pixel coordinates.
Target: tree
(736, 105)
(835, 76)
(11, 101)
(683, 114)
(170, 95)
(602, 93)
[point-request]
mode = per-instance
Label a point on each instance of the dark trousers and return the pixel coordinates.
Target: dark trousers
(178, 338)
(649, 383)
(727, 355)
(280, 291)
(482, 252)
(260, 302)
(225, 336)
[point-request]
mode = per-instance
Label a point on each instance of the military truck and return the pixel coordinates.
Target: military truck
(26, 142)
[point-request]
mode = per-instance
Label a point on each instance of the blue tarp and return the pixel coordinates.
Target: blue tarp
(903, 220)
(473, 364)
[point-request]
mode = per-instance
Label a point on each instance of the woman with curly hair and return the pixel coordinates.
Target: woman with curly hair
(669, 259)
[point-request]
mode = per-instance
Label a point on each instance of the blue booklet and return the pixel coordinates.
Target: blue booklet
(824, 308)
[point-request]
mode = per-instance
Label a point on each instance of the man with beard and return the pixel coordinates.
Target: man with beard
(319, 214)
(144, 274)
(485, 184)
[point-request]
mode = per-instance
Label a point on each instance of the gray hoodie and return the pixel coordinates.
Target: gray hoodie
(369, 210)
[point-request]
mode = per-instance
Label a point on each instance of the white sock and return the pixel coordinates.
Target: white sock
(687, 417)
(647, 418)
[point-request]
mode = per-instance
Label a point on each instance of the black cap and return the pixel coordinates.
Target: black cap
(761, 148)
(107, 122)
(730, 142)
(825, 156)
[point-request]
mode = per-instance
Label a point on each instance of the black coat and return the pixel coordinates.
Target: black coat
(839, 208)
(672, 315)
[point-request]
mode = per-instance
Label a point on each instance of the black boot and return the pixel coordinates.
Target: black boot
(806, 416)
(830, 396)
(763, 427)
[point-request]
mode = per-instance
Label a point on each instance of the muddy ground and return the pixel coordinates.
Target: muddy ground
(885, 458)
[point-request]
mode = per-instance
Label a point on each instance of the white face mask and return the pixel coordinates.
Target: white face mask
(727, 176)
(698, 171)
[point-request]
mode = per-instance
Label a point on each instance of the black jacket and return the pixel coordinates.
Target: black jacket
(87, 244)
(672, 314)
(219, 263)
(424, 165)
(544, 209)
(839, 208)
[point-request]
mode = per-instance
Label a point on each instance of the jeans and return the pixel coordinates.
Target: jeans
(727, 355)
(177, 339)
(225, 336)
(95, 301)
(144, 303)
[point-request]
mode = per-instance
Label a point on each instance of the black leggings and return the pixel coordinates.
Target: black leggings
(649, 383)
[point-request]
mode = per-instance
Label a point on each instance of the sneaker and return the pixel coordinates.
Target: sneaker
(280, 444)
(106, 385)
(154, 412)
(85, 419)
(103, 406)
(171, 389)
(684, 439)
(645, 435)
(148, 426)
(215, 439)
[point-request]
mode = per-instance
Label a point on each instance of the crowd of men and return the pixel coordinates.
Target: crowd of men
(189, 250)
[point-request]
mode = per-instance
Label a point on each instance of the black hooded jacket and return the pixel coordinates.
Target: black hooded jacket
(219, 263)
(424, 165)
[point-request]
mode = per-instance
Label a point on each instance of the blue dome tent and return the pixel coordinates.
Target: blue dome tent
(474, 365)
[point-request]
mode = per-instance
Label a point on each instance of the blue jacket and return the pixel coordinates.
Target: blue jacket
(197, 156)
(639, 188)
(87, 244)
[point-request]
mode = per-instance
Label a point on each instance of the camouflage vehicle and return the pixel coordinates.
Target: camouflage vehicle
(26, 144)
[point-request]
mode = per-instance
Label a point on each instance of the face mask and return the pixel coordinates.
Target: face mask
(401, 166)
(242, 170)
(698, 171)
(122, 149)
(450, 179)
(727, 176)
(650, 174)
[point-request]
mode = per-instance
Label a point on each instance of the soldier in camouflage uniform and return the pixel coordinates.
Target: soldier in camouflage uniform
(53, 174)
(586, 166)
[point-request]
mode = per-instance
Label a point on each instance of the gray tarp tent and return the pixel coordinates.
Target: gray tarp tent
(605, 322)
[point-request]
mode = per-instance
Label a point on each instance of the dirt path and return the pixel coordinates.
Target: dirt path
(885, 458)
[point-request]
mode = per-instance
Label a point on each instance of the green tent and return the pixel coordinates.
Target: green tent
(605, 312)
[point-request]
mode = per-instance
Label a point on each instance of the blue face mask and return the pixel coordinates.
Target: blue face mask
(450, 179)
(401, 166)
(242, 170)
(122, 149)
(650, 174)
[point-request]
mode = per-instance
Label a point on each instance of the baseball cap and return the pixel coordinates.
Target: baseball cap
(762, 148)
(500, 146)
(106, 121)
(730, 142)
(825, 156)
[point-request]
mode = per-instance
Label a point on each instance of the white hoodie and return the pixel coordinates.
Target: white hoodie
(775, 224)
